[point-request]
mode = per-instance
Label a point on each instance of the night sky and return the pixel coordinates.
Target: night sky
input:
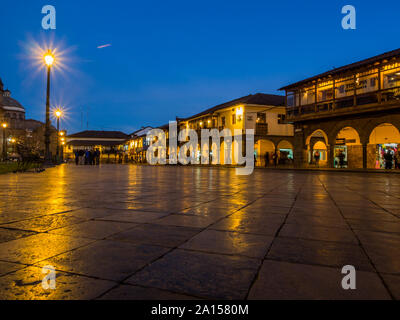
(176, 58)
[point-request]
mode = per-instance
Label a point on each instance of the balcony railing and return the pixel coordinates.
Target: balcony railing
(261, 129)
(372, 98)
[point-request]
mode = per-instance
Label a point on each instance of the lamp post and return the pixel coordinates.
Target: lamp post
(4, 126)
(58, 115)
(62, 139)
(49, 60)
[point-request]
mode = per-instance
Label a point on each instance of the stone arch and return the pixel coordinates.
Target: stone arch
(384, 138)
(384, 132)
(317, 142)
(261, 147)
(348, 149)
(317, 132)
(369, 127)
(286, 151)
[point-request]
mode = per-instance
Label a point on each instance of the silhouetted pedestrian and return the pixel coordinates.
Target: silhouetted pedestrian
(77, 157)
(267, 159)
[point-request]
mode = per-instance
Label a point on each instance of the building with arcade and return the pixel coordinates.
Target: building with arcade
(348, 117)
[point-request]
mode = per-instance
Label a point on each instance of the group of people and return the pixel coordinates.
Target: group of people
(87, 157)
(390, 157)
(267, 159)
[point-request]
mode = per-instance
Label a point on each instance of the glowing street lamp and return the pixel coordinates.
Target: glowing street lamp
(49, 61)
(58, 114)
(4, 126)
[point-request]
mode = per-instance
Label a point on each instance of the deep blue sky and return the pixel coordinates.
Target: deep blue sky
(175, 58)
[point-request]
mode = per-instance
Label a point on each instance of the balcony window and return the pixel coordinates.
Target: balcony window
(290, 100)
(391, 80)
(234, 119)
(325, 95)
(261, 118)
(344, 88)
(367, 83)
(281, 118)
(308, 96)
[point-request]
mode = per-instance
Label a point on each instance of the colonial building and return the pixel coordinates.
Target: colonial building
(138, 144)
(21, 135)
(348, 116)
(265, 113)
(111, 144)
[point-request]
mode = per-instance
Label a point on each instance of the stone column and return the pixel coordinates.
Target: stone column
(298, 146)
(365, 155)
(331, 155)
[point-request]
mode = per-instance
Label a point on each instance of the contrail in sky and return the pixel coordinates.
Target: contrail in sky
(104, 46)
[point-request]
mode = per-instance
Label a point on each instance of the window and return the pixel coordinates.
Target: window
(261, 118)
(234, 119)
(281, 118)
(223, 121)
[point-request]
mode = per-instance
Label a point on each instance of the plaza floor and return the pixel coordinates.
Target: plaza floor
(141, 232)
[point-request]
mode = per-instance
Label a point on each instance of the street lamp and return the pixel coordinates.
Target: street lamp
(58, 114)
(4, 126)
(49, 61)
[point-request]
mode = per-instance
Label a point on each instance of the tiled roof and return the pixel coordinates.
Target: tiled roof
(348, 67)
(91, 143)
(100, 134)
(259, 98)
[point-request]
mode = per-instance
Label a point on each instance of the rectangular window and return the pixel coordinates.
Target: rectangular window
(234, 119)
(281, 118)
(261, 118)
(223, 121)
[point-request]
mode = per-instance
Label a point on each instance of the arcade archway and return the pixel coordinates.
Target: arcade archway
(285, 151)
(317, 148)
(384, 142)
(261, 148)
(348, 150)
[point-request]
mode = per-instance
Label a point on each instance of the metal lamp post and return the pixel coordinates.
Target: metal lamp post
(49, 60)
(4, 126)
(58, 114)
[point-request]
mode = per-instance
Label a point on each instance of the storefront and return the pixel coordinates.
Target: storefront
(385, 154)
(340, 156)
(285, 156)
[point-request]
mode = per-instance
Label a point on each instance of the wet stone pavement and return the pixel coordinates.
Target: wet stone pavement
(139, 232)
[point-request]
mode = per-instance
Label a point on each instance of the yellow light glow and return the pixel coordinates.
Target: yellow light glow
(58, 113)
(4, 125)
(201, 124)
(49, 58)
(239, 111)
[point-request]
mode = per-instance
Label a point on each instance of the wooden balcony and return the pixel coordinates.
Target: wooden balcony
(368, 102)
(261, 129)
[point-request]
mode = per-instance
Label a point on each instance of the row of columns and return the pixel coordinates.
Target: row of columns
(300, 149)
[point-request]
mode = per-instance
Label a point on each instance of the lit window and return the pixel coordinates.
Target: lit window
(281, 118)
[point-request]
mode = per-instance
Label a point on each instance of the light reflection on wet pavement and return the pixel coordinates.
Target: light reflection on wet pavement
(139, 232)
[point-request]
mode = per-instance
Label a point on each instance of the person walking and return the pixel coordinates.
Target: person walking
(388, 160)
(317, 157)
(97, 157)
(77, 157)
(266, 159)
(397, 160)
(341, 159)
(87, 157)
(275, 159)
(81, 157)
